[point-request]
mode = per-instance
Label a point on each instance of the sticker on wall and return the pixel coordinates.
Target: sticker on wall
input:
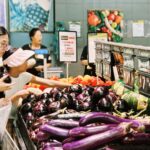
(28, 14)
(106, 21)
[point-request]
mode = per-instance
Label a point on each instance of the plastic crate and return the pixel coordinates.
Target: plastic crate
(7, 142)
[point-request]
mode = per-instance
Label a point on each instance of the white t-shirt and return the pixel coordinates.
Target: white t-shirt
(20, 82)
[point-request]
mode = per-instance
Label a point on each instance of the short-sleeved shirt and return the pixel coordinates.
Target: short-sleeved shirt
(38, 58)
(20, 82)
(84, 56)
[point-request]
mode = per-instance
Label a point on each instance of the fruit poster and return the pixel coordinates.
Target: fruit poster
(67, 46)
(106, 21)
(28, 14)
(3, 18)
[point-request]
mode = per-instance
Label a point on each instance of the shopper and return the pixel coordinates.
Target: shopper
(89, 67)
(35, 64)
(16, 64)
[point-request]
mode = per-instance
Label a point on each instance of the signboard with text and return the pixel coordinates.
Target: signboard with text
(67, 46)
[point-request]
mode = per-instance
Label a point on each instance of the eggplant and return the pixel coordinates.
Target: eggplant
(137, 138)
(39, 109)
(44, 96)
(30, 98)
(67, 101)
(58, 132)
(121, 105)
(54, 106)
(86, 131)
(63, 123)
(104, 104)
(108, 118)
(53, 148)
(25, 108)
(97, 140)
(42, 136)
(52, 144)
(98, 93)
(75, 88)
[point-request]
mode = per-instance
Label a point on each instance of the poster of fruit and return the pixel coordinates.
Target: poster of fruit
(28, 14)
(106, 21)
(3, 18)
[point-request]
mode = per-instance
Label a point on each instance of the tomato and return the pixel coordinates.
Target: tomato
(111, 17)
(118, 19)
(93, 20)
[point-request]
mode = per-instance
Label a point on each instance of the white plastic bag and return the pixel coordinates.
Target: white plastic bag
(4, 115)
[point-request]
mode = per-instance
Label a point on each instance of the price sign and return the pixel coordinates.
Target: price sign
(92, 39)
(67, 46)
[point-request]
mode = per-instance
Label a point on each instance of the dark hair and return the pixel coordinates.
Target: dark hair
(3, 31)
(33, 32)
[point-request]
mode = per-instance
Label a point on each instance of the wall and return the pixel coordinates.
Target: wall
(76, 10)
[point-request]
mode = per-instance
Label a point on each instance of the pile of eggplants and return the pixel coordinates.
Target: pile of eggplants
(92, 131)
(60, 119)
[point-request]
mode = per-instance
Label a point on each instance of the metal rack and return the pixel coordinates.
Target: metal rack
(136, 63)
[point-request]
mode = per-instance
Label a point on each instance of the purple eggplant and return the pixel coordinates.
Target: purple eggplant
(63, 123)
(41, 136)
(52, 144)
(59, 132)
(86, 131)
(137, 138)
(97, 140)
(107, 118)
(53, 148)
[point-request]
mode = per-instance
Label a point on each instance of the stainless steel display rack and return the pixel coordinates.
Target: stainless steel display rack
(136, 63)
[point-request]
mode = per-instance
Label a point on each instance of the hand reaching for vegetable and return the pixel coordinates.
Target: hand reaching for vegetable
(5, 86)
(19, 94)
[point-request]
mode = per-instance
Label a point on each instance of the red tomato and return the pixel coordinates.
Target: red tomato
(111, 17)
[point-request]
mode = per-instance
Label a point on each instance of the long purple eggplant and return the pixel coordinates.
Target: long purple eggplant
(107, 118)
(63, 123)
(53, 148)
(96, 140)
(55, 131)
(137, 138)
(52, 144)
(86, 131)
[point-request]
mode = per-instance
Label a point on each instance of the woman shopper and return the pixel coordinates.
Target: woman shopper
(35, 64)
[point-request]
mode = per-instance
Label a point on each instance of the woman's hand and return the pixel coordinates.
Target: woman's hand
(20, 94)
(5, 86)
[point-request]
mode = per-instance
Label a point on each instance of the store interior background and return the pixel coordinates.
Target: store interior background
(76, 10)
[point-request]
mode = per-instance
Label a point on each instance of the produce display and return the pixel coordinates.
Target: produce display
(85, 117)
(106, 21)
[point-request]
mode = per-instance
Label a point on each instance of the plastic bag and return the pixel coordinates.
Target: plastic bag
(4, 115)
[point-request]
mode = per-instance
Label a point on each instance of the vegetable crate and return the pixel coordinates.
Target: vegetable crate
(8, 143)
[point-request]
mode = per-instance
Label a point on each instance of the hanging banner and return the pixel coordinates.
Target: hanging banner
(67, 46)
(92, 38)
